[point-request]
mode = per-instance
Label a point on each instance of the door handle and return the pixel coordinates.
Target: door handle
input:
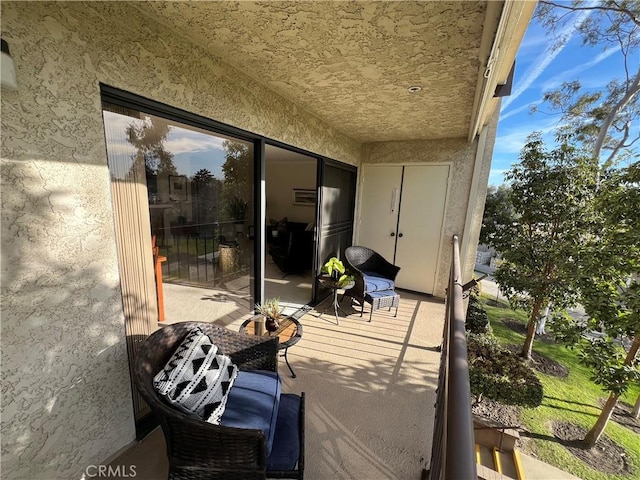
(394, 193)
(393, 234)
(400, 235)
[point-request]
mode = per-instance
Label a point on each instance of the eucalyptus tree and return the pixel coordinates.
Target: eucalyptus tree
(551, 194)
(605, 118)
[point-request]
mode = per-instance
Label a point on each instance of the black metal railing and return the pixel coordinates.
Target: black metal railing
(453, 450)
(204, 254)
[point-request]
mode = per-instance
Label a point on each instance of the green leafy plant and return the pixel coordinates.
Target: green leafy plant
(336, 270)
(237, 209)
(345, 280)
(333, 265)
(477, 320)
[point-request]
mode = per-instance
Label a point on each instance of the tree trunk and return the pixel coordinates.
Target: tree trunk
(594, 434)
(531, 330)
(636, 410)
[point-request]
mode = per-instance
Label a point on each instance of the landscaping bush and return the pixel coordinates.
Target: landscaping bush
(501, 375)
(477, 320)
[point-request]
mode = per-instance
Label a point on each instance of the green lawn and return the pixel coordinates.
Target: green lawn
(574, 399)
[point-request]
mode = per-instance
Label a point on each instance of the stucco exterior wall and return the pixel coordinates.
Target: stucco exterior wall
(460, 154)
(66, 391)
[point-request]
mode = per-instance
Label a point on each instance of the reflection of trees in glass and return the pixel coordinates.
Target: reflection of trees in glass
(206, 190)
(148, 138)
(237, 190)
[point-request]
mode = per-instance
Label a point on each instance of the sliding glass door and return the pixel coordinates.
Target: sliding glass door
(197, 204)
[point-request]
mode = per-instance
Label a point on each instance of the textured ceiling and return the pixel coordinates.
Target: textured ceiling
(349, 63)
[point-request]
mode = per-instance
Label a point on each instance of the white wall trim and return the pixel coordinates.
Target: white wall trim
(473, 196)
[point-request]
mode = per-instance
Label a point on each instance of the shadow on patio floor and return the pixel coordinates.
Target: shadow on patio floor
(370, 391)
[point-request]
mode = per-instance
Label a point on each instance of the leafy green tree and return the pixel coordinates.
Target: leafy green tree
(610, 291)
(551, 192)
(605, 119)
(206, 189)
(149, 138)
(237, 190)
(498, 212)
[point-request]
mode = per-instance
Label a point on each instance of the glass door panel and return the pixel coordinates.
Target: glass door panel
(199, 196)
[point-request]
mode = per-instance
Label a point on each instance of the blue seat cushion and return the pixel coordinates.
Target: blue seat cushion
(253, 402)
(286, 445)
(382, 294)
(373, 282)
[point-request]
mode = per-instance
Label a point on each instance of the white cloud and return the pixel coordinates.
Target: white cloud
(190, 144)
(571, 74)
(513, 141)
(120, 148)
(181, 140)
(554, 47)
(504, 116)
(116, 126)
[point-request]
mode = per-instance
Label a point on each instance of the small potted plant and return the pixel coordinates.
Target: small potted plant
(335, 269)
(273, 313)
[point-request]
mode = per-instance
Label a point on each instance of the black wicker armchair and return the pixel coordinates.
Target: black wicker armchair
(374, 279)
(201, 450)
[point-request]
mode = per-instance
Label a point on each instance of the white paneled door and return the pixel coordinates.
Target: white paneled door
(424, 194)
(379, 209)
(402, 214)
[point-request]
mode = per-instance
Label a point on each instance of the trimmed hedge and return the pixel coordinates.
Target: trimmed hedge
(501, 375)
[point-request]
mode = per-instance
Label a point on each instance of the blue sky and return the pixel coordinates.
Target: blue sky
(540, 68)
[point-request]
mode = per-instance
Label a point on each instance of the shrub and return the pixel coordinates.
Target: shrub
(501, 375)
(477, 320)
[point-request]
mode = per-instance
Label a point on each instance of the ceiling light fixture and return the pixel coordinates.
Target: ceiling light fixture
(414, 89)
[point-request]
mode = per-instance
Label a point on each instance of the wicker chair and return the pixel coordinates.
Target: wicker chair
(363, 262)
(201, 450)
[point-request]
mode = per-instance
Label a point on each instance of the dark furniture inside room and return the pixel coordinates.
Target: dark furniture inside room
(272, 446)
(290, 245)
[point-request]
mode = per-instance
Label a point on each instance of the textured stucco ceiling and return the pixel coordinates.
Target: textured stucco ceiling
(349, 63)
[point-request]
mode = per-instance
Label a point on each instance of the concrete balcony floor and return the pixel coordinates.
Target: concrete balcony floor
(370, 388)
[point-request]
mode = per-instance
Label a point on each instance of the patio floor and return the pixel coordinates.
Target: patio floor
(370, 391)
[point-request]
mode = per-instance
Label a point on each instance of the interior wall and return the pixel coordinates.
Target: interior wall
(66, 390)
(281, 179)
(460, 154)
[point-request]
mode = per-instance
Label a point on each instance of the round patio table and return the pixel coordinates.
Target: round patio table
(334, 285)
(289, 333)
